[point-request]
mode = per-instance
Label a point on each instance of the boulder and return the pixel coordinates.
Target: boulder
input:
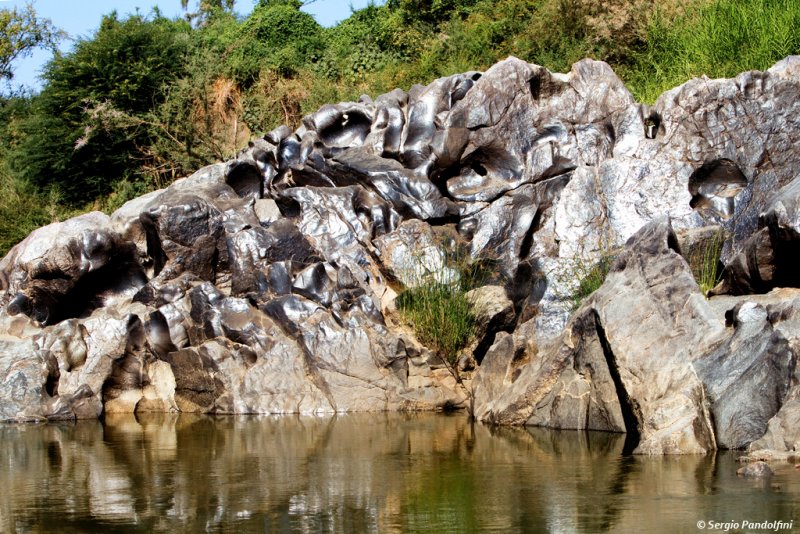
(747, 376)
(100, 362)
(729, 131)
(293, 356)
(413, 255)
(494, 312)
(513, 126)
(68, 269)
(567, 388)
(409, 192)
(184, 234)
(27, 380)
(253, 250)
(503, 230)
(783, 429)
(126, 222)
(755, 470)
(767, 258)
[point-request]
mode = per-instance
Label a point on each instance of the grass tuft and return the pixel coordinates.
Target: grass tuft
(706, 265)
(436, 305)
(590, 278)
(441, 316)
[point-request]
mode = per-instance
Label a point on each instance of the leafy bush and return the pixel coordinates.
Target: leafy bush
(359, 46)
(123, 67)
(22, 207)
(21, 212)
(276, 36)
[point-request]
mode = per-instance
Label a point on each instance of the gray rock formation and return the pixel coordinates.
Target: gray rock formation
(494, 313)
(747, 376)
(624, 361)
(755, 470)
(67, 268)
(266, 284)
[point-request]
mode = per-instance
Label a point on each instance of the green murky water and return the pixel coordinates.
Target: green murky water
(363, 473)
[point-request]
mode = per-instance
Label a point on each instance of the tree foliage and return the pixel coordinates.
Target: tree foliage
(87, 127)
(207, 10)
(276, 36)
(21, 31)
(21, 209)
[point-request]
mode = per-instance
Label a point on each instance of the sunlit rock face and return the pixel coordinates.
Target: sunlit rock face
(266, 284)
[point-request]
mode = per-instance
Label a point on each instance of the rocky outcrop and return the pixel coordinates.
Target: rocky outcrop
(649, 355)
(625, 360)
(68, 268)
(266, 284)
(747, 376)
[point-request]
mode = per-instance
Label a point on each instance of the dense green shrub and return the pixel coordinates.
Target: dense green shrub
(360, 45)
(276, 36)
(22, 210)
(85, 130)
(200, 119)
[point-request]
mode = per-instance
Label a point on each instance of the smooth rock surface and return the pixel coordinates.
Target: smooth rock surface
(265, 284)
(755, 470)
(747, 377)
(624, 362)
(783, 430)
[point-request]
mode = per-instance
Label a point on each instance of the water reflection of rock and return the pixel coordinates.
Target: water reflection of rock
(364, 473)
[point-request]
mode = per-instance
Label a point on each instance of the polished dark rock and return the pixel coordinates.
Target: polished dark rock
(266, 284)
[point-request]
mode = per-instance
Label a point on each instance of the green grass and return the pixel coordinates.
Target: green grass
(720, 39)
(435, 304)
(590, 278)
(441, 317)
(706, 263)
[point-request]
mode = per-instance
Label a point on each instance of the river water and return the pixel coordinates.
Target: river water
(364, 473)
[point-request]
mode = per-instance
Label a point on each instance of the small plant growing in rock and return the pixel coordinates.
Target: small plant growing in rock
(705, 262)
(441, 317)
(590, 278)
(436, 306)
(577, 278)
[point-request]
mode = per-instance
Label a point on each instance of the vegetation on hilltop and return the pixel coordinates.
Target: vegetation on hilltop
(147, 99)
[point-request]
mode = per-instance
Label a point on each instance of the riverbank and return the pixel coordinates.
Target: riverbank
(270, 283)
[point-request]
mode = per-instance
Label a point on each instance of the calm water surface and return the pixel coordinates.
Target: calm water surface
(362, 473)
